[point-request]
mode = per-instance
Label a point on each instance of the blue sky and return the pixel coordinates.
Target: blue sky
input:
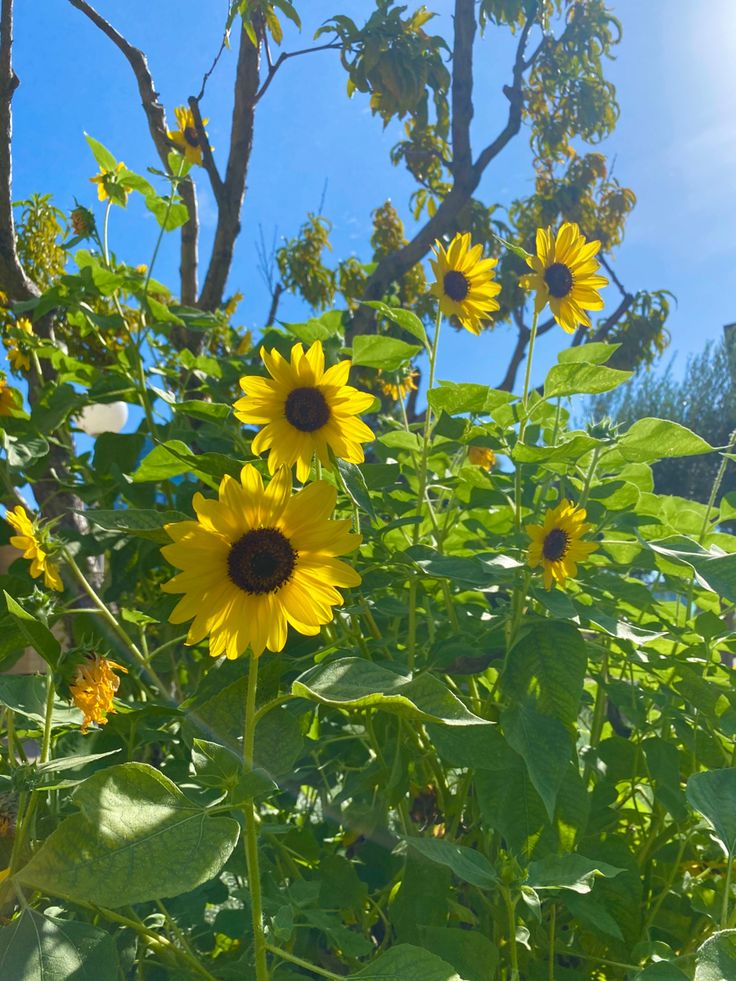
(675, 145)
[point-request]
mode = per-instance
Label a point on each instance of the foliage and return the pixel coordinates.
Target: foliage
(701, 397)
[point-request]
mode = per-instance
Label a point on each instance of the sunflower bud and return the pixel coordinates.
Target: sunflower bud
(83, 221)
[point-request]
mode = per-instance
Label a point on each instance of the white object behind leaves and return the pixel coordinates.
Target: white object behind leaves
(108, 417)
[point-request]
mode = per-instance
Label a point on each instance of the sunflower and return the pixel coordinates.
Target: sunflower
(186, 137)
(400, 387)
(257, 560)
(556, 545)
(108, 184)
(17, 356)
(481, 456)
(304, 410)
(28, 542)
(464, 282)
(94, 687)
(8, 402)
(565, 276)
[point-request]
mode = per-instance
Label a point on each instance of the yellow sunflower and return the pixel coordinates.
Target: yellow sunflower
(186, 137)
(257, 560)
(8, 402)
(28, 542)
(304, 410)
(17, 356)
(400, 388)
(565, 276)
(464, 283)
(108, 184)
(94, 687)
(557, 544)
(481, 456)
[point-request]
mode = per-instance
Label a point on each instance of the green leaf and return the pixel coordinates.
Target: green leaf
(545, 746)
(572, 449)
(404, 962)
(200, 409)
(467, 863)
(169, 216)
(713, 794)
(573, 872)
(592, 914)
(162, 313)
(140, 522)
(101, 154)
(581, 378)
(403, 318)
(654, 439)
(387, 353)
(118, 850)
(36, 633)
(355, 486)
(456, 398)
(218, 766)
(352, 683)
(26, 695)
(596, 352)
(469, 951)
(35, 947)
(161, 462)
(715, 959)
(548, 662)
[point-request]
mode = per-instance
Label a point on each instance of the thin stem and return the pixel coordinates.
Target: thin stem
(528, 372)
(427, 426)
(104, 232)
(552, 925)
(716, 486)
(511, 912)
(589, 476)
(726, 891)
(251, 836)
(48, 717)
(293, 959)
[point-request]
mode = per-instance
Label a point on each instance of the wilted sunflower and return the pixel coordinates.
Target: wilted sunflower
(108, 184)
(28, 542)
(186, 137)
(7, 398)
(556, 545)
(481, 456)
(258, 560)
(94, 687)
(565, 276)
(18, 358)
(464, 283)
(400, 387)
(304, 410)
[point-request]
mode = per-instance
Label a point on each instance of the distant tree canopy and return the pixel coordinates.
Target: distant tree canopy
(703, 399)
(557, 95)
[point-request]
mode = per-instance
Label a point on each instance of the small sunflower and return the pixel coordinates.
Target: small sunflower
(257, 560)
(17, 354)
(464, 283)
(557, 544)
(565, 276)
(481, 456)
(28, 542)
(400, 387)
(186, 137)
(304, 410)
(8, 400)
(94, 687)
(109, 187)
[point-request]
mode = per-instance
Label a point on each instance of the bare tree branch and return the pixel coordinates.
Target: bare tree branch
(284, 56)
(158, 128)
(275, 297)
(208, 161)
(233, 191)
(12, 276)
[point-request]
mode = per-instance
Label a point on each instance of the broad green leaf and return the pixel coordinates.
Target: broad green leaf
(573, 872)
(160, 463)
(596, 352)
(661, 971)
(713, 571)
(200, 409)
(548, 662)
(454, 398)
(355, 486)
(169, 216)
(35, 947)
(467, 863)
(571, 449)
(406, 962)
(26, 695)
(713, 794)
(715, 959)
(218, 766)
(399, 439)
(545, 746)
(403, 318)
(386, 353)
(140, 522)
(592, 913)
(101, 154)
(479, 748)
(654, 439)
(36, 633)
(581, 378)
(510, 805)
(118, 850)
(162, 313)
(352, 683)
(469, 951)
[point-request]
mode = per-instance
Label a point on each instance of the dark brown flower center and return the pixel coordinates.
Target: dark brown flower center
(190, 135)
(455, 285)
(559, 279)
(555, 545)
(306, 409)
(261, 561)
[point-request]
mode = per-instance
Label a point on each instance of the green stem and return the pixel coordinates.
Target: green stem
(589, 476)
(48, 717)
(104, 232)
(251, 836)
(528, 372)
(293, 959)
(716, 486)
(427, 426)
(726, 891)
(514, 954)
(552, 925)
